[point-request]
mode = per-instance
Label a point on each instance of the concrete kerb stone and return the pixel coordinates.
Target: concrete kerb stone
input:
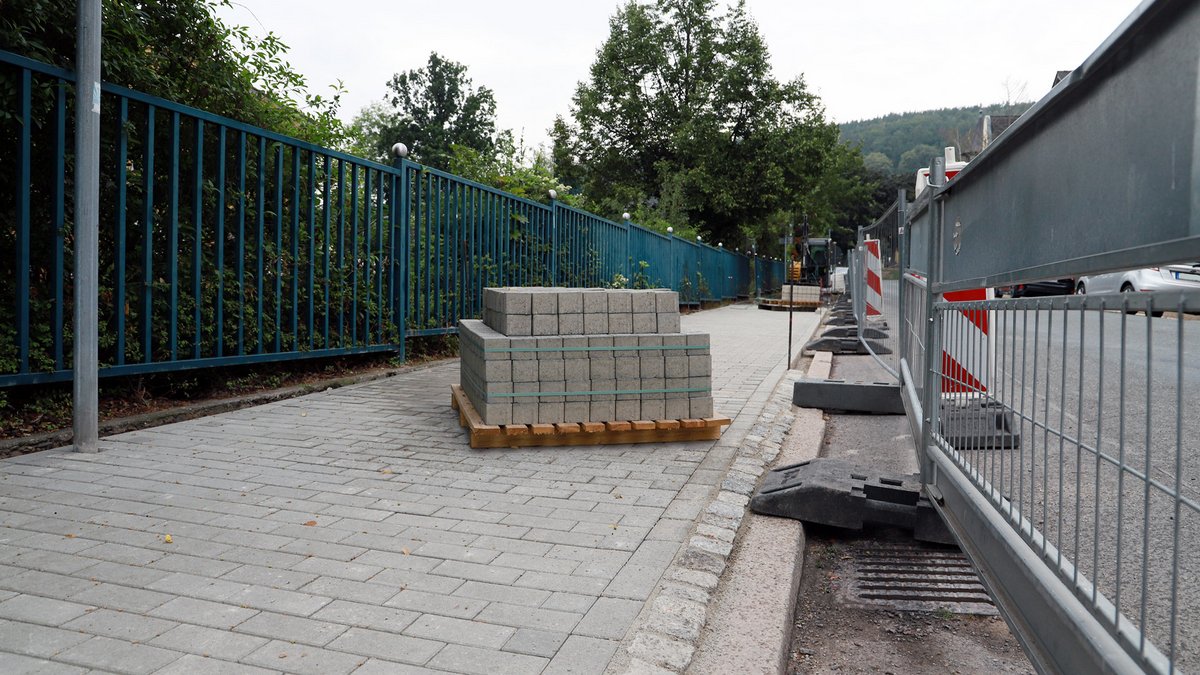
(667, 634)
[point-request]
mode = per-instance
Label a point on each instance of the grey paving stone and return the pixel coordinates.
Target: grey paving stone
(502, 593)
(472, 571)
(358, 591)
(419, 601)
(204, 612)
(634, 582)
(381, 667)
(45, 583)
(569, 602)
(197, 586)
(17, 664)
(120, 625)
(124, 598)
(49, 561)
(191, 664)
(475, 661)
(212, 642)
(387, 646)
(455, 552)
(193, 565)
(34, 640)
(582, 656)
(269, 576)
(417, 581)
(303, 659)
(119, 656)
(276, 600)
(525, 617)
(562, 582)
(609, 618)
(352, 570)
(365, 615)
(460, 631)
(535, 642)
(291, 628)
(39, 610)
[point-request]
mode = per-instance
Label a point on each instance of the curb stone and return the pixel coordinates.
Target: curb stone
(667, 639)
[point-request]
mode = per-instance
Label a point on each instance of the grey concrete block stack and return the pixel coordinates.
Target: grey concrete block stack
(549, 355)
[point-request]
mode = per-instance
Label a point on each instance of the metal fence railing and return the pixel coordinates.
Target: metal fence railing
(222, 243)
(1059, 435)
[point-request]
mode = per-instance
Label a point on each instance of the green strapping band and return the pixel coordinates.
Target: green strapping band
(598, 393)
(630, 348)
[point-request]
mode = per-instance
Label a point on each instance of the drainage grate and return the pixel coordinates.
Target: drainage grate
(911, 577)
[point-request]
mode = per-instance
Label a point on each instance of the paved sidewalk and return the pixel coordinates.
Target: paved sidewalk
(355, 531)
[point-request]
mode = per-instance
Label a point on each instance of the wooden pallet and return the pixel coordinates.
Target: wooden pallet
(580, 433)
(783, 305)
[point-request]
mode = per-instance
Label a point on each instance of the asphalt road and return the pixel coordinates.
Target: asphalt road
(1101, 401)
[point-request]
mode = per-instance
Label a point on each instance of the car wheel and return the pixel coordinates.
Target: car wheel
(1081, 289)
(1157, 314)
(1128, 288)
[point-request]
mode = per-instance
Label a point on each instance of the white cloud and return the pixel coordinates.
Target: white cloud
(865, 58)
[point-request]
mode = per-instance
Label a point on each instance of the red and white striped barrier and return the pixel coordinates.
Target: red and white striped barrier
(873, 269)
(967, 351)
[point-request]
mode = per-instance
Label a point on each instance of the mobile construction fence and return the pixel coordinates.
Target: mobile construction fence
(222, 243)
(1076, 495)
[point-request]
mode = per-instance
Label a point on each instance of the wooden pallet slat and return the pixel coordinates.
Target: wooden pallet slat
(580, 433)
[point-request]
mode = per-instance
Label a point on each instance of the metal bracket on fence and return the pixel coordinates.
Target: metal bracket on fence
(859, 397)
(850, 332)
(840, 494)
(840, 345)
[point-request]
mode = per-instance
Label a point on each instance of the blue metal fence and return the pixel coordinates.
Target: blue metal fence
(223, 243)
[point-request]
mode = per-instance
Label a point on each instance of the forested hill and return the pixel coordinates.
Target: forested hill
(908, 140)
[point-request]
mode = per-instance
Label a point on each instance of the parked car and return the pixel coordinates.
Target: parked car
(1039, 289)
(1182, 277)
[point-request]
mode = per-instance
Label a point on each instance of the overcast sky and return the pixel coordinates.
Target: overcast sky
(864, 58)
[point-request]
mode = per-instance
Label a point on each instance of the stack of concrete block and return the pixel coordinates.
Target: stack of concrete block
(580, 311)
(798, 293)
(576, 376)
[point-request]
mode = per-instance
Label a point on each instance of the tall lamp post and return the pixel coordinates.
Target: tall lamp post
(85, 388)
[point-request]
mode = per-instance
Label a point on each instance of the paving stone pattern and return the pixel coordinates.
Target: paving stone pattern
(355, 531)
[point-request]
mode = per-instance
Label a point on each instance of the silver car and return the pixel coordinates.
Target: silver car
(1171, 277)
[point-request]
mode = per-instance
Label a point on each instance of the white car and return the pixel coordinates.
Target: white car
(1182, 277)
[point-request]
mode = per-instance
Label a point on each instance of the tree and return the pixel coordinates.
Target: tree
(180, 50)
(916, 157)
(878, 162)
(512, 168)
(682, 122)
(433, 109)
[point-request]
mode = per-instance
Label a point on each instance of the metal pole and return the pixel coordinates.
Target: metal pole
(931, 405)
(87, 223)
(787, 273)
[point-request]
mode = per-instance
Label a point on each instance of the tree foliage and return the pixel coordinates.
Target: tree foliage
(910, 139)
(180, 50)
(431, 110)
(683, 122)
(512, 167)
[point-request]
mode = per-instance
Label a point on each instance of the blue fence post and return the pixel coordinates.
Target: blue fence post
(628, 248)
(554, 238)
(400, 247)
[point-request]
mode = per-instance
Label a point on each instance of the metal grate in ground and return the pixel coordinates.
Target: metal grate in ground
(911, 577)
